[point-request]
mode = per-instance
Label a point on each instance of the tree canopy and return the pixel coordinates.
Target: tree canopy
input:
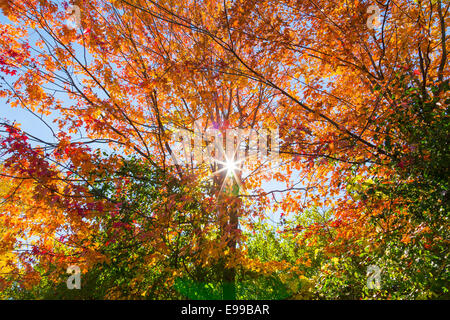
(355, 101)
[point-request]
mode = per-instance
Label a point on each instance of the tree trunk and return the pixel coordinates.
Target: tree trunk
(228, 211)
(229, 274)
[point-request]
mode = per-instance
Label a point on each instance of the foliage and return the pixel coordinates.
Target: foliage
(362, 115)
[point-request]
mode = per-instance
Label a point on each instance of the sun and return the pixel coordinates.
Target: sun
(230, 166)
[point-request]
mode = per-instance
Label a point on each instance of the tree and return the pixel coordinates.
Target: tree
(135, 71)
